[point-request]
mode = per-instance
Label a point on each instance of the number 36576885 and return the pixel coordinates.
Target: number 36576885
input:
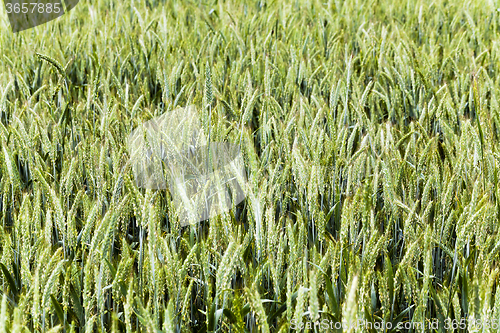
(33, 8)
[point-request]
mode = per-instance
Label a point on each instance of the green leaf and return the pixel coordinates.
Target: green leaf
(281, 309)
(75, 298)
(12, 284)
(211, 318)
(58, 308)
(399, 318)
(230, 315)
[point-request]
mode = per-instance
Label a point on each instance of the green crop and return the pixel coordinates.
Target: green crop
(369, 131)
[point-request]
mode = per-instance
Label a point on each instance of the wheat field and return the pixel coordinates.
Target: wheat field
(369, 132)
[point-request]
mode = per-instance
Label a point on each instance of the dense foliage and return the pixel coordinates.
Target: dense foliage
(369, 131)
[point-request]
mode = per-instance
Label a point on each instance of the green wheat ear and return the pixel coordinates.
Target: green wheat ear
(369, 136)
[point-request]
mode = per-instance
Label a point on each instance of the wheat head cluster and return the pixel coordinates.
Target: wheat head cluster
(369, 134)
